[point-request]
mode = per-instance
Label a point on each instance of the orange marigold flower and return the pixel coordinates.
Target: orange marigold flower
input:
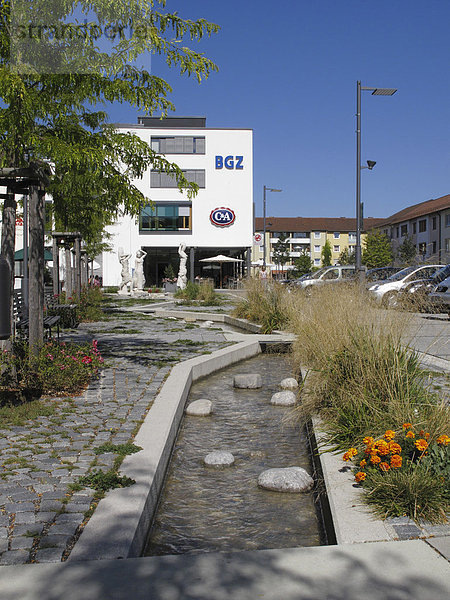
(421, 445)
(363, 463)
(443, 440)
(352, 452)
(411, 434)
(375, 459)
(360, 476)
(407, 426)
(389, 434)
(370, 450)
(394, 448)
(383, 449)
(368, 440)
(396, 461)
(384, 466)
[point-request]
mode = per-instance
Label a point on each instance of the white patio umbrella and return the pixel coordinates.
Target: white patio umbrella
(220, 258)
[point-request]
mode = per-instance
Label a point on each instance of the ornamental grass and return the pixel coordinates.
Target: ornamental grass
(265, 304)
(362, 378)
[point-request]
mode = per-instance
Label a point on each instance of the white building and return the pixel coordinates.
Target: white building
(218, 220)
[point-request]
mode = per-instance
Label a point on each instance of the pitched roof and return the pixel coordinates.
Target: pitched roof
(307, 224)
(418, 210)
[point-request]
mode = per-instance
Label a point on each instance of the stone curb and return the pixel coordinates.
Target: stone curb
(120, 523)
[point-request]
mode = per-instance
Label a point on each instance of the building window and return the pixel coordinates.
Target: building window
(166, 217)
(422, 247)
(447, 220)
(434, 247)
(414, 226)
(433, 222)
(317, 235)
(422, 225)
(164, 180)
(352, 236)
(300, 234)
(316, 248)
(181, 144)
(447, 244)
(336, 235)
(396, 232)
(336, 248)
(404, 230)
(317, 262)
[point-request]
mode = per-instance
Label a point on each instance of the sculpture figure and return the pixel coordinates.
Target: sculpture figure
(125, 272)
(182, 273)
(138, 278)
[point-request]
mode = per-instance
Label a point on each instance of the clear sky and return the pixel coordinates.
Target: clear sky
(288, 70)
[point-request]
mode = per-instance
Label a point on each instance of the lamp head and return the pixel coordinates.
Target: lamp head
(371, 164)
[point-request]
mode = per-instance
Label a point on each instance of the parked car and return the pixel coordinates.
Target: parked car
(380, 274)
(415, 295)
(440, 297)
(328, 275)
(386, 292)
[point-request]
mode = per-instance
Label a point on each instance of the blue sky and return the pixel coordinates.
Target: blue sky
(288, 70)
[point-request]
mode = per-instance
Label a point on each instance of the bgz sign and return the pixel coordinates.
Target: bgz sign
(230, 162)
(222, 217)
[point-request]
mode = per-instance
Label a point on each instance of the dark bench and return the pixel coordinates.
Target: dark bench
(22, 322)
(66, 312)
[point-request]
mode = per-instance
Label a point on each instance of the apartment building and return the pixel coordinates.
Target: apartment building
(218, 220)
(306, 234)
(428, 226)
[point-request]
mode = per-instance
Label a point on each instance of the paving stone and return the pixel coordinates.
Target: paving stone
(55, 540)
(34, 528)
(14, 557)
(49, 555)
(3, 533)
(3, 545)
(407, 532)
(19, 507)
(51, 506)
(24, 517)
(4, 520)
(21, 543)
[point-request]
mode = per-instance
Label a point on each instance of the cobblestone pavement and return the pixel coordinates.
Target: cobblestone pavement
(41, 512)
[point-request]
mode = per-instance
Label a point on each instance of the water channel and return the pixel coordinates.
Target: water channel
(205, 509)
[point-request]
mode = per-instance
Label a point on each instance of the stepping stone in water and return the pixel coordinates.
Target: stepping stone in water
(219, 458)
(289, 384)
(248, 381)
(199, 408)
(284, 399)
(293, 480)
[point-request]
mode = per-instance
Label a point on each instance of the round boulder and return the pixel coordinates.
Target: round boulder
(293, 480)
(248, 381)
(284, 399)
(219, 458)
(199, 408)
(289, 383)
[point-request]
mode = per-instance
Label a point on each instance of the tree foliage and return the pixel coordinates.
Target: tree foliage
(302, 264)
(346, 257)
(377, 250)
(281, 250)
(326, 254)
(53, 110)
(407, 251)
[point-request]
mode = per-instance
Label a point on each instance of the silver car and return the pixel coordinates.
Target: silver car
(386, 292)
(328, 275)
(440, 298)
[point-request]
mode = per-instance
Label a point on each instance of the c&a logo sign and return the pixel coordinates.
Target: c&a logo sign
(222, 217)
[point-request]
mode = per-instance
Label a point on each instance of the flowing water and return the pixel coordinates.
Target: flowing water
(206, 509)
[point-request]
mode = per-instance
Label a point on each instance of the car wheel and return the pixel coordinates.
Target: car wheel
(390, 300)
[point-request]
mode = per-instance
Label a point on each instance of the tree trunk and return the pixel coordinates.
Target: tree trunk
(36, 285)
(68, 274)
(8, 247)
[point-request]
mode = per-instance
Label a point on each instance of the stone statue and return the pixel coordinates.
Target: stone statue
(182, 273)
(125, 272)
(138, 277)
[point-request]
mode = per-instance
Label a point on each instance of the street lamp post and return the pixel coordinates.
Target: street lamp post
(371, 164)
(266, 189)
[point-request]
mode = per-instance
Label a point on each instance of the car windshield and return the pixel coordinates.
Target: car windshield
(401, 274)
(442, 274)
(317, 274)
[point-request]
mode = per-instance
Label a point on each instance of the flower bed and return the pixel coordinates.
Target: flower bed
(405, 473)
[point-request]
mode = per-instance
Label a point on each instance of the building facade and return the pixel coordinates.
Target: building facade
(218, 220)
(306, 235)
(427, 224)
